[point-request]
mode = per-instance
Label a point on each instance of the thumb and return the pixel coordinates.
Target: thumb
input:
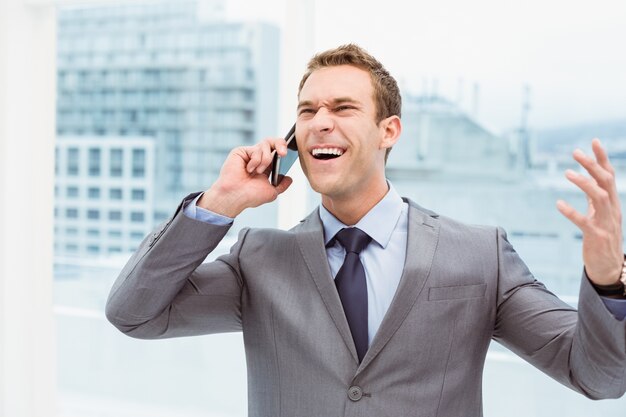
(284, 183)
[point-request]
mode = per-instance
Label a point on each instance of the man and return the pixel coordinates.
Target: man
(391, 317)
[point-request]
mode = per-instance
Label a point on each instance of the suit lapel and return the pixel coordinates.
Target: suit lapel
(310, 238)
(423, 234)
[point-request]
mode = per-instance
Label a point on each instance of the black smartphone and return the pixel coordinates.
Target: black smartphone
(280, 165)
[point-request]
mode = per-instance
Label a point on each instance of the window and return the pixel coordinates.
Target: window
(73, 162)
(71, 231)
(139, 163)
(137, 235)
(94, 162)
(115, 194)
(115, 215)
(71, 192)
(116, 162)
(138, 195)
(93, 249)
(93, 232)
(115, 233)
(93, 193)
(71, 213)
(93, 214)
(136, 217)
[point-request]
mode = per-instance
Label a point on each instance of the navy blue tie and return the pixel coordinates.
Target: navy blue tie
(352, 286)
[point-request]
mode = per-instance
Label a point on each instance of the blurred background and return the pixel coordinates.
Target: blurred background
(113, 111)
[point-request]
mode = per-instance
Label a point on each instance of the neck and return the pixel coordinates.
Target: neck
(350, 209)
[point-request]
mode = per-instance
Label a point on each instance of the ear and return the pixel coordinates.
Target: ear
(391, 128)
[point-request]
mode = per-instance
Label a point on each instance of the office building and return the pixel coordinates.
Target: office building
(172, 71)
(104, 194)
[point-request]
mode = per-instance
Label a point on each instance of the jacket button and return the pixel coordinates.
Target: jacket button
(355, 393)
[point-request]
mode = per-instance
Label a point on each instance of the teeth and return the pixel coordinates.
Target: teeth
(327, 151)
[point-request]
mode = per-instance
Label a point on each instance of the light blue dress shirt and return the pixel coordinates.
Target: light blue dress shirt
(383, 259)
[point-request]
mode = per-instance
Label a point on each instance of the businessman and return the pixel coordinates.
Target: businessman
(372, 305)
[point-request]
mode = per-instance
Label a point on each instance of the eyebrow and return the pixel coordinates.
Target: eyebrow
(335, 101)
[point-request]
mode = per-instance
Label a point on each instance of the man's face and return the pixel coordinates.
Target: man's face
(340, 144)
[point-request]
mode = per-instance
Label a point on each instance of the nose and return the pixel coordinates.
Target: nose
(322, 123)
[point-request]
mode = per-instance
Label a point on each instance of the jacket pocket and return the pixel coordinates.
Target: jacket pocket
(457, 292)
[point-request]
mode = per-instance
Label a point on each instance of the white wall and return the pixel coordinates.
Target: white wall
(27, 103)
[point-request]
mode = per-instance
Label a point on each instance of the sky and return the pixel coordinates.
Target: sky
(571, 54)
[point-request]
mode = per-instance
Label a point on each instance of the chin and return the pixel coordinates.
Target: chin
(323, 186)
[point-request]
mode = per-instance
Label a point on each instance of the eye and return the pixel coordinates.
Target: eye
(343, 108)
(306, 111)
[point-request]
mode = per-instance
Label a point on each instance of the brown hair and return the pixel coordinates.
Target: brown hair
(387, 97)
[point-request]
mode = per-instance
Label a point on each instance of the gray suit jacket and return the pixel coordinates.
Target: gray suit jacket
(462, 286)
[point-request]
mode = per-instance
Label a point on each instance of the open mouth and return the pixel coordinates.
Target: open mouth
(327, 153)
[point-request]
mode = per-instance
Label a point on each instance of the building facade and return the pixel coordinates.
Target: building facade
(104, 194)
(174, 72)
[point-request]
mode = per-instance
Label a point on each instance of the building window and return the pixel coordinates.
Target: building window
(71, 247)
(71, 213)
(72, 161)
(137, 235)
(115, 249)
(116, 162)
(115, 233)
(93, 193)
(139, 163)
(115, 193)
(93, 232)
(138, 195)
(136, 217)
(94, 162)
(93, 214)
(56, 161)
(115, 215)
(71, 231)
(93, 248)
(71, 192)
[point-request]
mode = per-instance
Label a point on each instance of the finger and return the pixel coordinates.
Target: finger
(266, 156)
(603, 160)
(574, 216)
(280, 145)
(603, 177)
(601, 156)
(284, 183)
(255, 158)
(599, 196)
(259, 157)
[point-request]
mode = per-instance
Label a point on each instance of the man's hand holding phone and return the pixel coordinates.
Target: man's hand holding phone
(243, 181)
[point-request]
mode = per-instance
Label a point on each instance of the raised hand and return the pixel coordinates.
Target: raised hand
(243, 180)
(601, 226)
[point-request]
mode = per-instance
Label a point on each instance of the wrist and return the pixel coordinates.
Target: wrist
(221, 201)
(617, 289)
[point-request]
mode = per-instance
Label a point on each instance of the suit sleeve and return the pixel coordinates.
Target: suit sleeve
(585, 349)
(166, 291)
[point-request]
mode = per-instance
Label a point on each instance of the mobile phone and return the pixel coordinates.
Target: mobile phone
(280, 165)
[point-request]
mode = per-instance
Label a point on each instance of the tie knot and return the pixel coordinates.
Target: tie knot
(353, 239)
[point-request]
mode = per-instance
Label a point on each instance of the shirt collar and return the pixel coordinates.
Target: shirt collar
(378, 223)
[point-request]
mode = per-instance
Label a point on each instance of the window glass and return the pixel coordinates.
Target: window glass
(72, 161)
(153, 96)
(115, 194)
(138, 195)
(93, 193)
(117, 162)
(94, 162)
